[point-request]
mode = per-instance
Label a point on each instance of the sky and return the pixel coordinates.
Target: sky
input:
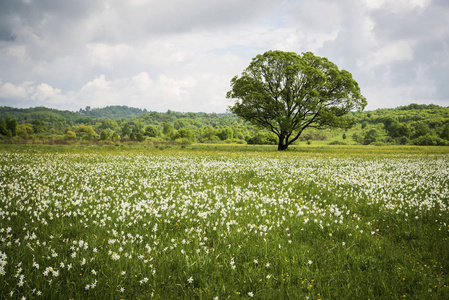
(180, 55)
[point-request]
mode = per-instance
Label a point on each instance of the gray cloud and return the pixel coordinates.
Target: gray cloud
(180, 55)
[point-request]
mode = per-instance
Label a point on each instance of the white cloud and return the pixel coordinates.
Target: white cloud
(387, 55)
(397, 6)
(45, 92)
(9, 90)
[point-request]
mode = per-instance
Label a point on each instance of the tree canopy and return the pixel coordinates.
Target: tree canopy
(286, 93)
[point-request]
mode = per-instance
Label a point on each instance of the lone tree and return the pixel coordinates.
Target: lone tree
(286, 93)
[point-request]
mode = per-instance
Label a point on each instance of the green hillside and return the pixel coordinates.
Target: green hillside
(114, 112)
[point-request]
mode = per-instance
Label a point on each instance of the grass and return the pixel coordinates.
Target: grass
(233, 222)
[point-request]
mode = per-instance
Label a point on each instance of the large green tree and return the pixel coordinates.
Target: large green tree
(286, 93)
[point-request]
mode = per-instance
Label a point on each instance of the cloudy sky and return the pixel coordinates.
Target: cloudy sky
(181, 54)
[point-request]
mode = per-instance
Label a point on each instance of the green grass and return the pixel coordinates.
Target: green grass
(228, 221)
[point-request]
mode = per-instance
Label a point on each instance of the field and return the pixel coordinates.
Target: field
(224, 223)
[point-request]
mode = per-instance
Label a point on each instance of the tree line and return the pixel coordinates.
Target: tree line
(413, 124)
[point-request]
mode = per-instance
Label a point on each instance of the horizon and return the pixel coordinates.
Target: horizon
(198, 112)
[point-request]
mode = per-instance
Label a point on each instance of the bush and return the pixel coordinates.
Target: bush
(140, 137)
(152, 131)
(183, 133)
(429, 140)
(403, 140)
(104, 135)
(88, 137)
(370, 136)
(70, 135)
(263, 138)
(115, 136)
(183, 141)
(337, 143)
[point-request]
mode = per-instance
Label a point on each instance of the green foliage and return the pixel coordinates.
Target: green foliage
(286, 93)
(104, 135)
(429, 140)
(3, 128)
(420, 129)
(167, 128)
(11, 126)
(183, 133)
(70, 135)
(412, 124)
(115, 137)
(370, 136)
(25, 130)
(83, 130)
(109, 124)
(152, 131)
(140, 137)
(38, 127)
(445, 132)
(126, 129)
(313, 134)
(263, 138)
(423, 125)
(225, 133)
(114, 112)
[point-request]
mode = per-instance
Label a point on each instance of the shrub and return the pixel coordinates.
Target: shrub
(429, 140)
(115, 136)
(140, 137)
(337, 143)
(70, 135)
(104, 135)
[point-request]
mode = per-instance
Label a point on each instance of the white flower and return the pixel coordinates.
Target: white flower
(250, 294)
(310, 262)
(190, 280)
(122, 290)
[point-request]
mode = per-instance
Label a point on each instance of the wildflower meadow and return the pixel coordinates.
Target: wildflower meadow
(147, 223)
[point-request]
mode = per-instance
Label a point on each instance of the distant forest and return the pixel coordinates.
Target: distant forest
(414, 124)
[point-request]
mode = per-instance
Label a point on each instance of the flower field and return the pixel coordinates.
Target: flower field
(139, 224)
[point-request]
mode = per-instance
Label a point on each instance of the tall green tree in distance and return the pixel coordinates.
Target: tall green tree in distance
(286, 93)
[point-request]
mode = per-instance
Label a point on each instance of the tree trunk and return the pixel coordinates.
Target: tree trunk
(282, 143)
